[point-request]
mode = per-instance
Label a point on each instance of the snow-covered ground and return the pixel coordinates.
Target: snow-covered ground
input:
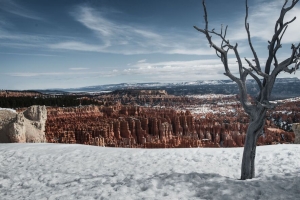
(58, 171)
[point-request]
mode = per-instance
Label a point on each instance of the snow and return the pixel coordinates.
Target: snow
(211, 96)
(9, 109)
(61, 171)
(211, 82)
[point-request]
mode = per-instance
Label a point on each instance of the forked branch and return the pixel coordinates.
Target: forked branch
(222, 52)
(249, 39)
(275, 43)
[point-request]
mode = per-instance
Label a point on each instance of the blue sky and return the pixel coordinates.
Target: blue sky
(72, 43)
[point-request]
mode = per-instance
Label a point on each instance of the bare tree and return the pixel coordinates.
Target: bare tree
(264, 79)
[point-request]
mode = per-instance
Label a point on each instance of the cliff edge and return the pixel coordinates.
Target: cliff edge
(28, 126)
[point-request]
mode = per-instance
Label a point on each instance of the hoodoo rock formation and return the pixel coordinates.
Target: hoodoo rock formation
(146, 127)
(27, 126)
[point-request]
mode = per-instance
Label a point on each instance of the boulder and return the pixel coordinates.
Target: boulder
(28, 126)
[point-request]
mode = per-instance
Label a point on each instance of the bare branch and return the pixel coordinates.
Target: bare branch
(280, 28)
(224, 58)
(249, 39)
(284, 4)
(283, 33)
(287, 23)
(223, 52)
(293, 4)
(259, 72)
(294, 58)
(249, 71)
(267, 105)
(275, 61)
(278, 46)
(283, 66)
(222, 37)
(292, 69)
(218, 54)
(208, 37)
(237, 55)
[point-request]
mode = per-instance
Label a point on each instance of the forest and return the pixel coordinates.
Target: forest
(62, 101)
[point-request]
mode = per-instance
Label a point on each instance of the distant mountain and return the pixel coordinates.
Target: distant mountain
(284, 87)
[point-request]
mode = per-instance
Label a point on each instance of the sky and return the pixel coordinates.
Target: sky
(70, 43)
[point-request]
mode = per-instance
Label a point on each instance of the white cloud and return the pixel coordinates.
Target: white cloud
(142, 61)
(144, 71)
(175, 71)
(79, 46)
(262, 18)
(147, 34)
(78, 68)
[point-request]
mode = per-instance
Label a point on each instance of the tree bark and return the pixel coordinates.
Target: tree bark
(253, 132)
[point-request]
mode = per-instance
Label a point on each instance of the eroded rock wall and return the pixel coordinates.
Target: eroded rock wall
(27, 126)
(6, 118)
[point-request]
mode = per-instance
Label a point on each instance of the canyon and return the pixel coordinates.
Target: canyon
(155, 119)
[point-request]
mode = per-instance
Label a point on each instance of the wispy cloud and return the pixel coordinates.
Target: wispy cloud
(77, 46)
(142, 61)
(191, 66)
(176, 71)
(78, 68)
(14, 8)
(144, 71)
(128, 39)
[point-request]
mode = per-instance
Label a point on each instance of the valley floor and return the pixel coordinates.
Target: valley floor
(59, 171)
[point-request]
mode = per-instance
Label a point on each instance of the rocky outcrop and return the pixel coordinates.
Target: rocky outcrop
(27, 126)
(296, 129)
(6, 118)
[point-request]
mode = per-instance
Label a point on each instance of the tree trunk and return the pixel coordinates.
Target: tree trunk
(248, 162)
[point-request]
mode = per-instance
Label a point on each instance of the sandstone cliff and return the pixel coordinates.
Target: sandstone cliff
(28, 126)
